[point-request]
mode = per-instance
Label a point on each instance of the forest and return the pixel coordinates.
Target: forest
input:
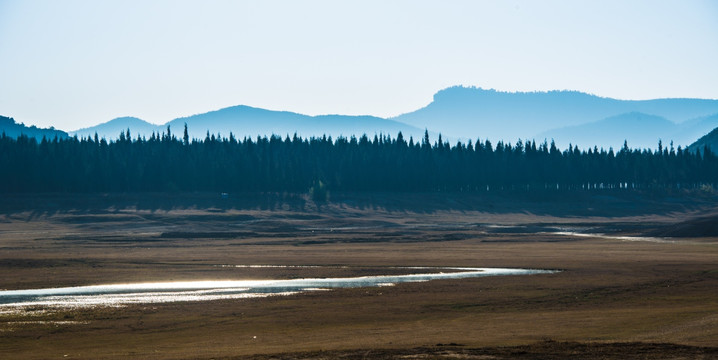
(165, 162)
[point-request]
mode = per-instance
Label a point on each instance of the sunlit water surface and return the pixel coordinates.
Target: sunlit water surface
(140, 293)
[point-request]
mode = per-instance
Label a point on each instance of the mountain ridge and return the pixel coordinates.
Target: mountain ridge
(247, 121)
(463, 113)
(11, 128)
(497, 115)
(638, 129)
(117, 125)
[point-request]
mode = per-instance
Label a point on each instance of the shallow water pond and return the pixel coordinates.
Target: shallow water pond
(121, 294)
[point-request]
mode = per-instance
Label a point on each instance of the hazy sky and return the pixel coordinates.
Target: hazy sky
(74, 64)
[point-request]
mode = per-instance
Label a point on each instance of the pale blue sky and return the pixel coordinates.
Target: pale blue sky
(74, 64)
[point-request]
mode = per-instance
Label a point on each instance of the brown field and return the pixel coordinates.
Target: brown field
(616, 297)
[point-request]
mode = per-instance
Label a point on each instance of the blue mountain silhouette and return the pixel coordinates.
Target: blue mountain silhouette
(710, 140)
(245, 121)
(112, 128)
(469, 113)
(475, 112)
(10, 128)
(639, 129)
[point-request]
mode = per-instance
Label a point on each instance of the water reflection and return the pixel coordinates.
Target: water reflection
(121, 294)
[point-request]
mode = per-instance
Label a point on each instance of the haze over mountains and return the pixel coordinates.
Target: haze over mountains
(245, 121)
(641, 130)
(564, 116)
(463, 113)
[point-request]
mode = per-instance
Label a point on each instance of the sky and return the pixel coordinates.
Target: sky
(76, 63)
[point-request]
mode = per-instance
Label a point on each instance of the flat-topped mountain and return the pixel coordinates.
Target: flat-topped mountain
(466, 112)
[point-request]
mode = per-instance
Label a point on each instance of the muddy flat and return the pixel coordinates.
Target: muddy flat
(626, 288)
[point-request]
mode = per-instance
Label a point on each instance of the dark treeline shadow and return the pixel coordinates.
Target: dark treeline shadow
(46, 204)
(561, 203)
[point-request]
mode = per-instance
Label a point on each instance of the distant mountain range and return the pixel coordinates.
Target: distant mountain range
(565, 116)
(245, 121)
(463, 113)
(639, 129)
(10, 128)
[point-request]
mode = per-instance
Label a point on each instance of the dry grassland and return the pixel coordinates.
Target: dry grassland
(615, 297)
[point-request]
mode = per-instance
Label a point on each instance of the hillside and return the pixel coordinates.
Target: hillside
(694, 129)
(10, 128)
(710, 140)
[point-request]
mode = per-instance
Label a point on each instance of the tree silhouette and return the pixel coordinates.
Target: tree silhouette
(276, 164)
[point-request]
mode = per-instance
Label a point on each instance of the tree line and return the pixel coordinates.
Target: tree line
(167, 163)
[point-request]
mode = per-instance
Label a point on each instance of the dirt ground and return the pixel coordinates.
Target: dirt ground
(622, 291)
